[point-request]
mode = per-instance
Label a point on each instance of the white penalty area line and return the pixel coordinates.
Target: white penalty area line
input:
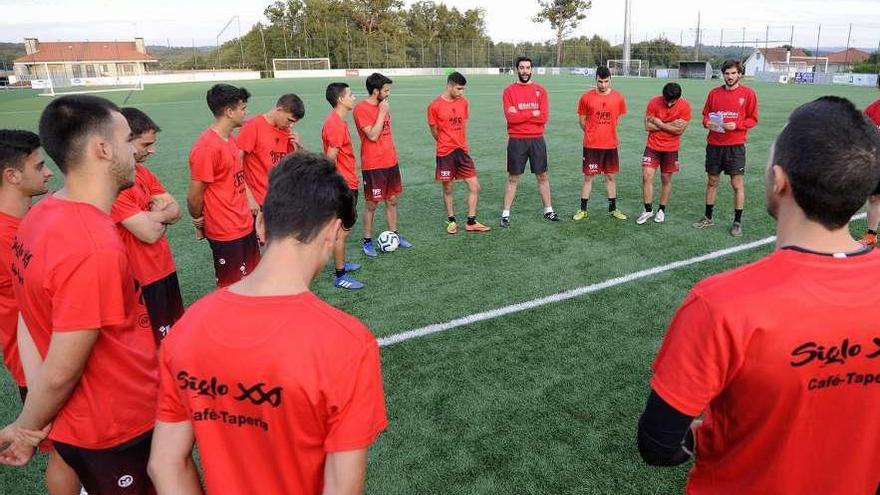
(572, 293)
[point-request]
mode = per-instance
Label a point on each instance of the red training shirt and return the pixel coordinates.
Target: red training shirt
(304, 382)
(264, 145)
(374, 154)
(602, 112)
(661, 140)
(782, 361)
(873, 113)
(8, 306)
(449, 117)
(217, 163)
(150, 262)
(334, 134)
(738, 105)
(88, 284)
(525, 98)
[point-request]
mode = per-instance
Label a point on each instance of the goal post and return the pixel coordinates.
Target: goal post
(633, 67)
(288, 64)
(54, 79)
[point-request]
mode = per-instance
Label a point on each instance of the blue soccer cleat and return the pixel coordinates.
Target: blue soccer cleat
(403, 242)
(369, 250)
(351, 266)
(347, 282)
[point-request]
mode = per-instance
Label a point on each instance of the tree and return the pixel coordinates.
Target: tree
(564, 16)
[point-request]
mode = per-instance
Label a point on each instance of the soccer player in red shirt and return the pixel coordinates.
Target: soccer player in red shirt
(265, 140)
(777, 356)
(730, 111)
(598, 112)
(379, 165)
(447, 120)
(870, 237)
(76, 291)
(301, 402)
(336, 141)
(217, 198)
(142, 214)
(666, 118)
(527, 109)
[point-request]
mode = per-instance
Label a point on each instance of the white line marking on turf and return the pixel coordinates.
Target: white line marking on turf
(572, 293)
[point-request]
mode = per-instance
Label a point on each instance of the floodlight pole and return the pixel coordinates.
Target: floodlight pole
(627, 36)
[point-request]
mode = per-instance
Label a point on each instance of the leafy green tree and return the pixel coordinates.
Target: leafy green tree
(564, 16)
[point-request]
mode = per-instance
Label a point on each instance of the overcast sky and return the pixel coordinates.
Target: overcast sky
(182, 22)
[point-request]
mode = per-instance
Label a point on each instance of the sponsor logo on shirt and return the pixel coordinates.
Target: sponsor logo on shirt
(742, 101)
(276, 156)
(212, 387)
(836, 355)
(238, 181)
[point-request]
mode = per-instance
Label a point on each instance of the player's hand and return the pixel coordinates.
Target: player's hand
(253, 205)
(159, 203)
(256, 221)
(383, 105)
(536, 113)
(17, 445)
(199, 226)
(713, 126)
(679, 122)
(511, 109)
(729, 126)
(295, 140)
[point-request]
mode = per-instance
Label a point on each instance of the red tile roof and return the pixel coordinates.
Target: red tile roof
(82, 51)
(850, 56)
(776, 55)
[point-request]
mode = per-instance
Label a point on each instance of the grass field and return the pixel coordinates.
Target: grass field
(541, 401)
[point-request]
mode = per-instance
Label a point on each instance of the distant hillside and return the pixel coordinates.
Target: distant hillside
(10, 52)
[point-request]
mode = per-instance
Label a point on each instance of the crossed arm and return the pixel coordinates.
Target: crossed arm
(676, 127)
(150, 226)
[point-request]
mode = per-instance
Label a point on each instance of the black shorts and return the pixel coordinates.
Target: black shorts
(354, 197)
(519, 150)
(235, 259)
(456, 165)
(118, 470)
(382, 183)
(728, 159)
(598, 161)
(22, 392)
(164, 304)
(876, 190)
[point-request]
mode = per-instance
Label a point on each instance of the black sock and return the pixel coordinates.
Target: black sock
(451, 218)
(612, 204)
(340, 273)
(662, 207)
(872, 232)
(738, 215)
(368, 239)
(584, 203)
(472, 220)
(709, 209)
(648, 208)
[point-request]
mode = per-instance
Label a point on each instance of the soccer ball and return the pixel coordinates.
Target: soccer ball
(388, 241)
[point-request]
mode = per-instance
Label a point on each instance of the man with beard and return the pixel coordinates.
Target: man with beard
(526, 108)
(77, 294)
(777, 356)
(730, 111)
(217, 200)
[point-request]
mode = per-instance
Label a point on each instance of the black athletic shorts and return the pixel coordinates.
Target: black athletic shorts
(119, 470)
(235, 259)
(22, 392)
(876, 190)
(354, 195)
(520, 150)
(728, 159)
(164, 304)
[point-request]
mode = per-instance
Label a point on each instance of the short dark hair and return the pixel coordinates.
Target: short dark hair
(603, 72)
(831, 154)
(293, 104)
(456, 78)
(334, 92)
(376, 81)
(67, 120)
(139, 121)
(732, 62)
(15, 146)
(223, 96)
(306, 192)
(671, 91)
(521, 59)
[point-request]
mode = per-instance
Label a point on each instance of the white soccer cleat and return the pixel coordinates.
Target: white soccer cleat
(660, 217)
(644, 217)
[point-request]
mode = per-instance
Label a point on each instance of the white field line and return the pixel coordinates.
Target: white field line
(572, 293)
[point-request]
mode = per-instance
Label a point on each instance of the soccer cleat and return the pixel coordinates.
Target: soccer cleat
(403, 242)
(477, 227)
(660, 217)
(703, 223)
(351, 266)
(869, 239)
(736, 230)
(505, 222)
(451, 227)
(644, 217)
(617, 214)
(369, 250)
(552, 216)
(347, 282)
(580, 215)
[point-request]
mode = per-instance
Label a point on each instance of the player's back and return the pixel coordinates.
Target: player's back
(271, 384)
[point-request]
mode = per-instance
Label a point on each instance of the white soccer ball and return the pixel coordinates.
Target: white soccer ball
(387, 241)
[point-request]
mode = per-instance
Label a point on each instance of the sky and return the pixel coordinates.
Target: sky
(184, 22)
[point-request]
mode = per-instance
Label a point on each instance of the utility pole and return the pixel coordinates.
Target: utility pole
(697, 42)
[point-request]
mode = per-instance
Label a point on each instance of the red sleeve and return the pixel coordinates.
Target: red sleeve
(359, 416)
(467, 109)
(582, 106)
(125, 206)
(170, 409)
(153, 184)
(513, 117)
(706, 109)
(432, 115)
(201, 164)
(698, 358)
(89, 292)
(622, 105)
(334, 136)
(751, 117)
(544, 103)
(247, 137)
(686, 111)
(358, 115)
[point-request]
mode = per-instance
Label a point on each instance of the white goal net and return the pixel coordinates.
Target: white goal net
(287, 64)
(72, 78)
(632, 67)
